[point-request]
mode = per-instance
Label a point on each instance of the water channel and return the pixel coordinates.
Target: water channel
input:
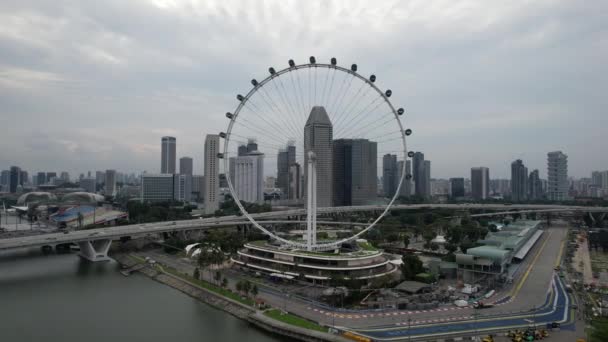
(60, 297)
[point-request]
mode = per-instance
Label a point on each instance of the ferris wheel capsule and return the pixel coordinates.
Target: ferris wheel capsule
(410, 154)
(229, 115)
(400, 111)
(334, 61)
(222, 135)
(408, 132)
(271, 71)
(254, 82)
(240, 97)
(353, 67)
(372, 78)
(388, 93)
(313, 60)
(292, 63)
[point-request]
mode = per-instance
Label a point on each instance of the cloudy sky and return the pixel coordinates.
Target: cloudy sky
(88, 85)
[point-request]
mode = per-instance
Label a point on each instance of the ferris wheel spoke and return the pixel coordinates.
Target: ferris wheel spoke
(283, 97)
(339, 103)
(361, 114)
(368, 128)
(325, 85)
(270, 123)
(298, 102)
(293, 118)
(265, 132)
(350, 105)
(280, 116)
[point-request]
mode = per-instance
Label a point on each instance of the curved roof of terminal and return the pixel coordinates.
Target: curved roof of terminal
(36, 197)
(82, 197)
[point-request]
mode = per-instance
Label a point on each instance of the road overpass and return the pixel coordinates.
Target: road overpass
(94, 243)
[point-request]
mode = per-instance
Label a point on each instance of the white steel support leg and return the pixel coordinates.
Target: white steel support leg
(311, 200)
(96, 250)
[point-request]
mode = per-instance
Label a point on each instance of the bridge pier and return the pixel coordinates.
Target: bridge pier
(96, 250)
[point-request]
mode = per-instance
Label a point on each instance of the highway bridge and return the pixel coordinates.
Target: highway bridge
(95, 243)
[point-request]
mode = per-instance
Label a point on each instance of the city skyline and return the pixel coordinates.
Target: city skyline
(144, 83)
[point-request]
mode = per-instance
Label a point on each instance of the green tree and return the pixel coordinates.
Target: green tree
(493, 228)
(217, 277)
(224, 282)
(434, 246)
(394, 237)
(196, 274)
(450, 247)
(239, 286)
(254, 291)
(411, 266)
(246, 287)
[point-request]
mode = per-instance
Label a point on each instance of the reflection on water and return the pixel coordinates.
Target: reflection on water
(61, 297)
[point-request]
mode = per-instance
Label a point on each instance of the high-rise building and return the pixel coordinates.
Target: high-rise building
(167, 155)
(24, 178)
(457, 187)
(64, 176)
(14, 179)
(422, 176)
(535, 187)
(519, 181)
(88, 184)
(100, 177)
(110, 183)
(157, 187)
(480, 183)
(5, 179)
(354, 171)
(406, 186)
(295, 177)
(249, 177)
(285, 158)
(318, 138)
(389, 175)
(212, 170)
(557, 176)
(198, 188)
(252, 145)
(242, 150)
(185, 166)
(271, 182)
(182, 188)
(50, 176)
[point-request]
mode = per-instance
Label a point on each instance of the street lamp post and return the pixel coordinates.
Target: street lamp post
(409, 327)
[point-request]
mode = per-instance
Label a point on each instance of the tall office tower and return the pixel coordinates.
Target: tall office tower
(457, 187)
(427, 178)
(295, 176)
(5, 178)
(604, 180)
(40, 178)
(198, 188)
(422, 183)
(480, 182)
(212, 170)
(223, 180)
(14, 179)
(50, 176)
(557, 176)
(389, 175)
(270, 182)
(185, 166)
(64, 176)
(88, 184)
(24, 178)
(242, 150)
(248, 179)
(535, 187)
(167, 155)
(285, 158)
(252, 145)
(318, 138)
(406, 186)
(100, 177)
(110, 183)
(354, 171)
(519, 181)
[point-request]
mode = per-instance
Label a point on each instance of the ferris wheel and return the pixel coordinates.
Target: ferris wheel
(296, 110)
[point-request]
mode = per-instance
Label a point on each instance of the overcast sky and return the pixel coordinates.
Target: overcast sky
(91, 85)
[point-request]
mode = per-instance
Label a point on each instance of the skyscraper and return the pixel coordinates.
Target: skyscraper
(167, 155)
(242, 150)
(5, 179)
(519, 181)
(198, 188)
(480, 182)
(100, 177)
(354, 171)
(212, 170)
(406, 186)
(557, 176)
(14, 178)
(110, 183)
(252, 145)
(427, 178)
(249, 177)
(457, 187)
(422, 177)
(88, 184)
(285, 158)
(535, 186)
(24, 178)
(389, 175)
(185, 166)
(318, 138)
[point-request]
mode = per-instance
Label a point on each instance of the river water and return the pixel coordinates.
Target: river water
(64, 298)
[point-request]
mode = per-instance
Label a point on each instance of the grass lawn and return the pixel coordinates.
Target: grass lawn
(294, 320)
(211, 287)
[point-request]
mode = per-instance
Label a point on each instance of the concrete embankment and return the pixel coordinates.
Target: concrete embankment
(232, 307)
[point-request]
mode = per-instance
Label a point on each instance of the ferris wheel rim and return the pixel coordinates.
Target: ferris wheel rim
(259, 85)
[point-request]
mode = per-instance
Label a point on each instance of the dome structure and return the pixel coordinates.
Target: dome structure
(82, 197)
(36, 197)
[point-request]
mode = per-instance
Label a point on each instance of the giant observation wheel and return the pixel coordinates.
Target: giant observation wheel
(272, 117)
